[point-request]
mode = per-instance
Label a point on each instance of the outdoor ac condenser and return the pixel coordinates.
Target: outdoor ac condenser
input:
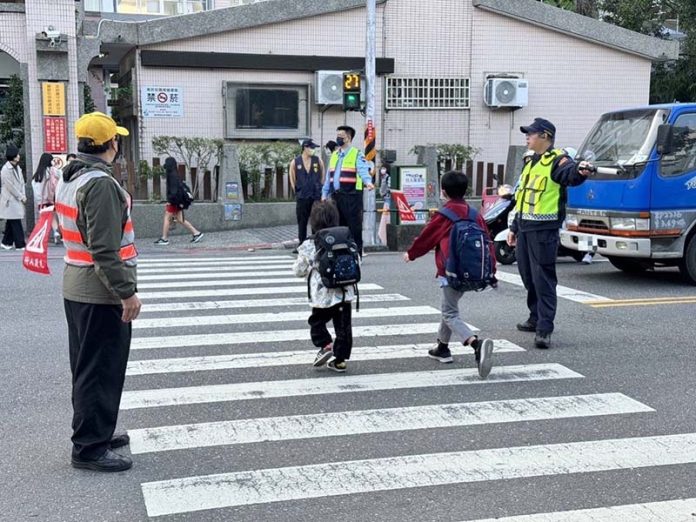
(328, 87)
(506, 92)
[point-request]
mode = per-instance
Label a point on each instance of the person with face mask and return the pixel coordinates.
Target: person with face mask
(349, 172)
(99, 290)
(306, 179)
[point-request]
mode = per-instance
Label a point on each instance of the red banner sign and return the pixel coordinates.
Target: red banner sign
(35, 256)
(405, 211)
(55, 134)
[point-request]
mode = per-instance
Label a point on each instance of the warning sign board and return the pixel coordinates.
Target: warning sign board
(162, 102)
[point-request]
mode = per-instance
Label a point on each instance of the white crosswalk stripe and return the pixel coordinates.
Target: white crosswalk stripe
(277, 317)
(347, 384)
(268, 359)
(343, 423)
(361, 476)
(228, 315)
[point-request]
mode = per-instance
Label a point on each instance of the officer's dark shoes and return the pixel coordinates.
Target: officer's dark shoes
(108, 462)
(118, 441)
(527, 326)
(542, 340)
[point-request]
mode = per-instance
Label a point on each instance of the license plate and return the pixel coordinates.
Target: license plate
(587, 243)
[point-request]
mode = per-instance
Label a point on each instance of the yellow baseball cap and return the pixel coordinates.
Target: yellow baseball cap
(98, 127)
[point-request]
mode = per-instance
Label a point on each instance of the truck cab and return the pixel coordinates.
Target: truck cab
(639, 208)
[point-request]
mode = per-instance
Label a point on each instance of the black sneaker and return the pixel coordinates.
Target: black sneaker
(338, 367)
(118, 441)
(294, 251)
(542, 340)
(441, 353)
(197, 237)
(162, 241)
(323, 355)
(527, 326)
(109, 462)
(483, 350)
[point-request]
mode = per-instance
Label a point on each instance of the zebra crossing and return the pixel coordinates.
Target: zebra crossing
(196, 334)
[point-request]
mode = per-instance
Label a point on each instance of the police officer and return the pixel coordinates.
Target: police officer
(540, 207)
(306, 178)
(348, 173)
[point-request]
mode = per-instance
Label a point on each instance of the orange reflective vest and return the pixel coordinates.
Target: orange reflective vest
(76, 252)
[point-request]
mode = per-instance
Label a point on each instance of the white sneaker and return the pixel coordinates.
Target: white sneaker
(5, 247)
(587, 259)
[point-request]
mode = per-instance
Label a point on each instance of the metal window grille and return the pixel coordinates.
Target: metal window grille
(427, 93)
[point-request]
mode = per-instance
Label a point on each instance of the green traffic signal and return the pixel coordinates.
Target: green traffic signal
(351, 101)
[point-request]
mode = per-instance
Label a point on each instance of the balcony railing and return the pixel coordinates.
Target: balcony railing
(148, 7)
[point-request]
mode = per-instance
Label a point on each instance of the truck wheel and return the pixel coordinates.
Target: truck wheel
(504, 253)
(687, 266)
(630, 266)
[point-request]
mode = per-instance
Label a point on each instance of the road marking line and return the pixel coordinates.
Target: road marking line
(406, 472)
(332, 385)
(667, 511)
(196, 268)
(222, 282)
(564, 292)
(240, 259)
(646, 299)
(215, 275)
(257, 303)
(296, 427)
(277, 317)
(269, 359)
(222, 292)
(653, 303)
(275, 336)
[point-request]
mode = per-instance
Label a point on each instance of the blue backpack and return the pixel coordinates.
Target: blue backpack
(469, 264)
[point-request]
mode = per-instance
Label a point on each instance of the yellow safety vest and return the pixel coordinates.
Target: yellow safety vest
(538, 196)
(349, 178)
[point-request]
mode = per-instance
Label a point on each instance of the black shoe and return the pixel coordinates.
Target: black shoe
(441, 353)
(527, 326)
(197, 237)
(542, 340)
(337, 366)
(294, 251)
(483, 350)
(118, 441)
(108, 462)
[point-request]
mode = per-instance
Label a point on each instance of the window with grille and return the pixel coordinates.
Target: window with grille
(427, 93)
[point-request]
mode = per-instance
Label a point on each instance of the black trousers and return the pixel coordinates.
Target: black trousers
(303, 210)
(350, 212)
(99, 345)
(14, 233)
(340, 314)
(536, 261)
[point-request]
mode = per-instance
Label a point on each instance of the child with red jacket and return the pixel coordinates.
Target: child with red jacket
(436, 235)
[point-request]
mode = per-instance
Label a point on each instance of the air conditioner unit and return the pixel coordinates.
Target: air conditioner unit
(506, 92)
(328, 87)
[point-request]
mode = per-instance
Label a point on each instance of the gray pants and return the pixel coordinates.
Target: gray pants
(451, 322)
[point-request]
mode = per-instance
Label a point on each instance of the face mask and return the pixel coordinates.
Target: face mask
(383, 171)
(340, 141)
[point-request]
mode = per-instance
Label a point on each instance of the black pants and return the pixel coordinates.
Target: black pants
(340, 315)
(536, 261)
(14, 233)
(350, 212)
(303, 210)
(99, 345)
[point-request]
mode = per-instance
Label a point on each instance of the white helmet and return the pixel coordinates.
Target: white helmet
(571, 152)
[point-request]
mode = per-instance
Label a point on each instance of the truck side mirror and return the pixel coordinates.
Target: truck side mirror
(665, 139)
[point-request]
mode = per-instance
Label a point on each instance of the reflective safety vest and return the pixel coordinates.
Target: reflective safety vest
(76, 252)
(349, 178)
(538, 196)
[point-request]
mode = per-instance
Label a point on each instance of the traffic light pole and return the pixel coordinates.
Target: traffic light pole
(369, 196)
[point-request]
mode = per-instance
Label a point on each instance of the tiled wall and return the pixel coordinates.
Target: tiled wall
(434, 38)
(571, 82)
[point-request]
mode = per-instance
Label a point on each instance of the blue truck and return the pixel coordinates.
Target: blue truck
(639, 208)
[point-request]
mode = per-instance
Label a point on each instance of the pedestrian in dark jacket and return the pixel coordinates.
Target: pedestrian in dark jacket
(174, 210)
(436, 235)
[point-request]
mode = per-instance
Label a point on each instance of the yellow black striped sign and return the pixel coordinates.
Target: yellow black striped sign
(370, 141)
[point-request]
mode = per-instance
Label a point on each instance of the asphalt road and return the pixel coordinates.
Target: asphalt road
(607, 417)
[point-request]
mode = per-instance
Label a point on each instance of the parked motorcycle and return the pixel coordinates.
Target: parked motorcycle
(498, 218)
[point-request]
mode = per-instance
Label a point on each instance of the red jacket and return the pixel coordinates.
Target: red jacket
(436, 235)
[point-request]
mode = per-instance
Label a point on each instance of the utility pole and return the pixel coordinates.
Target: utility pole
(369, 196)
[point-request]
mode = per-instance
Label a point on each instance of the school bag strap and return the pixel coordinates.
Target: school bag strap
(454, 217)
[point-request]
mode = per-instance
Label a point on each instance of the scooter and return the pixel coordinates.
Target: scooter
(498, 218)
